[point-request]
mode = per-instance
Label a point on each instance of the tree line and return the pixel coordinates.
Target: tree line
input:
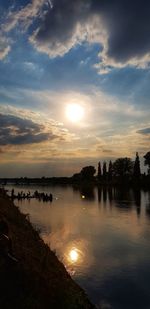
(122, 169)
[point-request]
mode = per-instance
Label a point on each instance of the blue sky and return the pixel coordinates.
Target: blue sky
(58, 53)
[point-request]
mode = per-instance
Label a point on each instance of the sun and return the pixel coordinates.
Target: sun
(74, 112)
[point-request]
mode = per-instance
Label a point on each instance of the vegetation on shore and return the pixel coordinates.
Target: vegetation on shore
(38, 280)
(123, 171)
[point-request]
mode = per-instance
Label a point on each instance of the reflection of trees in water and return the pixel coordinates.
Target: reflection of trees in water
(99, 194)
(87, 192)
(137, 199)
(110, 195)
(104, 195)
(148, 211)
(120, 198)
(148, 206)
(125, 199)
(123, 195)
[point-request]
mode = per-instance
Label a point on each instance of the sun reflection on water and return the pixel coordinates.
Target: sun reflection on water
(74, 258)
(73, 255)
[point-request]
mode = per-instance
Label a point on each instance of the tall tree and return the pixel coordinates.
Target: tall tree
(110, 170)
(136, 168)
(104, 170)
(123, 167)
(88, 172)
(147, 160)
(99, 174)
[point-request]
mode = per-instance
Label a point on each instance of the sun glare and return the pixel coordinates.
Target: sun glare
(74, 112)
(74, 255)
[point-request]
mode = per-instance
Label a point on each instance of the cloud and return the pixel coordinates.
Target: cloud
(65, 25)
(144, 131)
(4, 46)
(112, 127)
(26, 127)
(121, 27)
(21, 18)
(18, 131)
(127, 26)
(103, 113)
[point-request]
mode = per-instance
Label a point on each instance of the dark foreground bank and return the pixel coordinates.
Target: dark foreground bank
(38, 280)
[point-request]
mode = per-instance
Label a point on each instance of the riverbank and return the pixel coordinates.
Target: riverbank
(143, 182)
(38, 280)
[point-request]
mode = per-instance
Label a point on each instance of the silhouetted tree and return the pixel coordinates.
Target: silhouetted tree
(147, 161)
(123, 167)
(110, 170)
(88, 172)
(76, 177)
(99, 171)
(136, 168)
(104, 170)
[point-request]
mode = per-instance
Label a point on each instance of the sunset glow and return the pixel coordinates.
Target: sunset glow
(73, 91)
(74, 112)
(75, 147)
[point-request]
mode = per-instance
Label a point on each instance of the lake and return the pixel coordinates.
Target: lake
(101, 236)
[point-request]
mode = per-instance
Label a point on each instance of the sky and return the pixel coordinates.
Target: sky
(74, 84)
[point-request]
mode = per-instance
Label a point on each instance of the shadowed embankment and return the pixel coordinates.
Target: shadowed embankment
(38, 280)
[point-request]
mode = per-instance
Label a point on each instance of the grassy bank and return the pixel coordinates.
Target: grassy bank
(38, 280)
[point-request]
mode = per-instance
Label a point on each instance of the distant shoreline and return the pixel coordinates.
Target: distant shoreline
(142, 182)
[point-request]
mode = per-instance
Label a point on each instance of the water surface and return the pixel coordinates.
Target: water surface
(103, 238)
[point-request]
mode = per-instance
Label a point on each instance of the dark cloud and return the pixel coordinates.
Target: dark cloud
(144, 131)
(57, 31)
(127, 24)
(121, 26)
(18, 131)
(56, 21)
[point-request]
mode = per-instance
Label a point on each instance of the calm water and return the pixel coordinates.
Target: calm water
(103, 239)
